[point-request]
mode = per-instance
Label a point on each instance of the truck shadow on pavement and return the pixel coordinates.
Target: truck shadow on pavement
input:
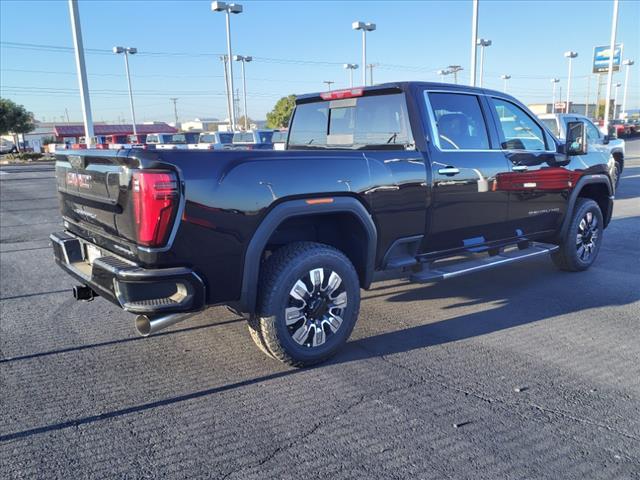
(519, 294)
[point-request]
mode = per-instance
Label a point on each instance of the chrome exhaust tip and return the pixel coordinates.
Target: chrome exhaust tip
(148, 325)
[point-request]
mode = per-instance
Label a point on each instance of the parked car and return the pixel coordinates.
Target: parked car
(213, 141)
(426, 180)
(615, 147)
(7, 147)
(253, 140)
(622, 128)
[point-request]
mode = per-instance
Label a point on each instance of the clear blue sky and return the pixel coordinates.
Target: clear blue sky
(296, 45)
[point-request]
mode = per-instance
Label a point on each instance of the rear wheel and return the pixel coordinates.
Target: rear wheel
(581, 243)
(308, 303)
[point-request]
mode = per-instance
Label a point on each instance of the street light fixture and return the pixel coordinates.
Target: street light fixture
(365, 27)
(627, 63)
(229, 8)
(128, 51)
(244, 59)
(554, 82)
(351, 67)
(570, 55)
(505, 78)
(455, 69)
(482, 43)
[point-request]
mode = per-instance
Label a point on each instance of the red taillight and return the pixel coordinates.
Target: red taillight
(340, 94)
(155, 201)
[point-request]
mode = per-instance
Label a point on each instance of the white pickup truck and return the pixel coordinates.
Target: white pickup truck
(557, 123)
(167, 141)
(212, 141)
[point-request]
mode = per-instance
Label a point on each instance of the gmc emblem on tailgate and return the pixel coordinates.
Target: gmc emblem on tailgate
(77, 161)
(80, 180)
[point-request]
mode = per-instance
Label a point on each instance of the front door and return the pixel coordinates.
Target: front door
(467, 210)
(537, 186)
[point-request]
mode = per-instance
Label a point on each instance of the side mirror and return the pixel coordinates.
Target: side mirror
(606, 139)
(576, 139)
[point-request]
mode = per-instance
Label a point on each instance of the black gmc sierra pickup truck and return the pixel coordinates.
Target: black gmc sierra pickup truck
(429, 180)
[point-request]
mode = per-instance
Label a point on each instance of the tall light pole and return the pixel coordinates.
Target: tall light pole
(229, 8)
(616, 85)
(474, 42)
(482, 43)
(128, 51)
(455, 69)
(570, 55)
(351, 67)
(505, 78)
(612, 51)
(223, 59)
(175, 109)
(365, 27)
(627, 63)
(82, 71)
(244, 59)
(554, 82)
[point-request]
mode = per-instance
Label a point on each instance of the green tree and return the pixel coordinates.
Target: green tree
(15, 119)
(281, 114)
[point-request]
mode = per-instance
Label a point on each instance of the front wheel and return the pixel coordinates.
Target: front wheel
(308, 303)
(581, 242)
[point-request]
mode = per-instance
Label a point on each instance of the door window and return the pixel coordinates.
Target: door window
(459, 121)
(519, 130)
(593, 134)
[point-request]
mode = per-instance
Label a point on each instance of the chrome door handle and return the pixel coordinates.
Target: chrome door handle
(449, 171)
(520, 168)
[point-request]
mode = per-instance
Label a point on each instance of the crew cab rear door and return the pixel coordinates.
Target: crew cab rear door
(467, 211)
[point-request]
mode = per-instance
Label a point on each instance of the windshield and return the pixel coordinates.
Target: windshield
(243, 137)
(363, 122)
(552, 125)
(176, 139)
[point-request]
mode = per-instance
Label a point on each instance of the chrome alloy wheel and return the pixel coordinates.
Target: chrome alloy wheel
(315, 308)
(587, 236)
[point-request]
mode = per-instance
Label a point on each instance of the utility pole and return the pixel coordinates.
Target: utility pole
(82, 72)
(175, 109)
(66, 112)
(554, 82)
(474, 42)
(371, 65)
(455, 69)
(329, 83)
(586, 105)
(612, 50)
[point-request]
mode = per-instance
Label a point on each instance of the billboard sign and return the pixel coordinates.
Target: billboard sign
(601, 57)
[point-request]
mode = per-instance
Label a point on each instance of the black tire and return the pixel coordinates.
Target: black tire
(617, 173)
(581, 242)
(323, 325)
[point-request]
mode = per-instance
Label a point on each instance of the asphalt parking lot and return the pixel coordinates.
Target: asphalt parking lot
(521, 372)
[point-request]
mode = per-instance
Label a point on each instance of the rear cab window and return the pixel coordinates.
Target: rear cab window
(459, 121)
(366, 122)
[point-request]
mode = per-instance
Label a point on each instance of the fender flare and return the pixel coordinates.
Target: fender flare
(587, 180)
(299, 208)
